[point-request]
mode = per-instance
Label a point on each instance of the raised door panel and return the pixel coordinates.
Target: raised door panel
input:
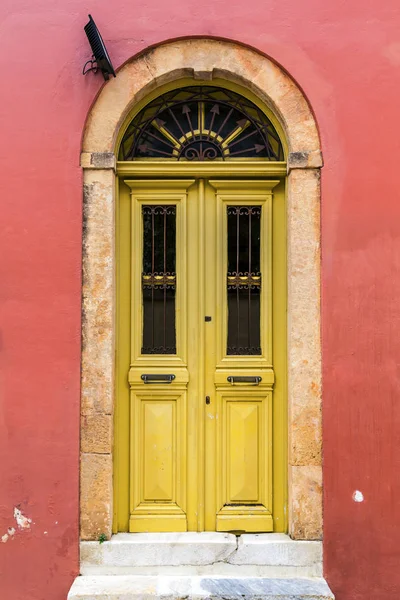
(158, 450)
(242, 451)
(158, 455)
(244, 488)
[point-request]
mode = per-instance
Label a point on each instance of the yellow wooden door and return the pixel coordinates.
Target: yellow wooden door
(206, 338)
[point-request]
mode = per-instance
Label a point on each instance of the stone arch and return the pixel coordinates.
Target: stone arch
(202, 59)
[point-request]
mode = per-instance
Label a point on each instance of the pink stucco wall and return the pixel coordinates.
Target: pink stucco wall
(346, 57)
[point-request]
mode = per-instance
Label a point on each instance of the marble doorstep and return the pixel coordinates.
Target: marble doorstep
(201, 554)
(137, 587)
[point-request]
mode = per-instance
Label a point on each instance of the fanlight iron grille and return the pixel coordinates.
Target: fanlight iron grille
(201, 123)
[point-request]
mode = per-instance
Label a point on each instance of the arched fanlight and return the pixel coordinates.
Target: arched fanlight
(201, 123)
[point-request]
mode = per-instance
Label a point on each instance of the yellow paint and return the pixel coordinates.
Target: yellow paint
(229, 139)
(182, 464)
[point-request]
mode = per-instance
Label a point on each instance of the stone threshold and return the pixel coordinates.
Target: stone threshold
(202, 554)
(136, 587)
(183, 566)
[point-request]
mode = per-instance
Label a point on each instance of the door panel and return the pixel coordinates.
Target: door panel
(158, 375)
(244, 460)
(241, 374)
(243, 195)
(157, 278)
(202, 357)
(158, 458)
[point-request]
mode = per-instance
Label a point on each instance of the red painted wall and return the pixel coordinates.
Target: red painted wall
(345, 54)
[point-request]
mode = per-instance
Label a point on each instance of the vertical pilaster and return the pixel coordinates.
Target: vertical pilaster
(97, 374)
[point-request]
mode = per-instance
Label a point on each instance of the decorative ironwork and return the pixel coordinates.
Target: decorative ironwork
(244, 210)
(199, 123)
(158, 210)
(162, 280)
(243, 280)
(158, 349)
(244, 350)
(159, 279)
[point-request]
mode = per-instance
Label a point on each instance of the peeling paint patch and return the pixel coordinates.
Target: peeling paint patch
(358, 496)
(22, 521)
(10, 533)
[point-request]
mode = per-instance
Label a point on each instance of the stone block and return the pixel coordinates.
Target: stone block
(275, 549)
(305, 485)
(96, 495)
(160, 549)
(305, 160)
(208, 553)
(96, 433)
(131, 587)
(305, 439)
(98, 160)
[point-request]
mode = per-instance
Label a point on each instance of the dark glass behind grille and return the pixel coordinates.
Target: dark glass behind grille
(244, 280)
(159, 279)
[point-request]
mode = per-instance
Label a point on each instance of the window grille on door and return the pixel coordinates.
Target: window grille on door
(200, 123)
(159, 279)
(244, 280)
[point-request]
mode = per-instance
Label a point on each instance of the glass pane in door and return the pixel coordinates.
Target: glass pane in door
(159, 279)
(243, 280)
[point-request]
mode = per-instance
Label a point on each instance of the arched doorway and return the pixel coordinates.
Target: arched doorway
(201, 300)
(228, 183)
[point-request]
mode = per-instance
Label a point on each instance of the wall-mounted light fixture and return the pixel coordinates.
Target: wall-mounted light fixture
(100, 59)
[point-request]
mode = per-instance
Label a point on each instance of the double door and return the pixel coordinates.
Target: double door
(204, 308)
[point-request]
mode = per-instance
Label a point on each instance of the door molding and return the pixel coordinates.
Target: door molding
(263, 81)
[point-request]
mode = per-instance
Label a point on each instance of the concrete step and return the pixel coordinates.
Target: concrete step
(167, 587)
(202, 554)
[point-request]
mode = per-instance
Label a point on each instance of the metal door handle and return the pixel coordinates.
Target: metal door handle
(155, 378)
(254, 380)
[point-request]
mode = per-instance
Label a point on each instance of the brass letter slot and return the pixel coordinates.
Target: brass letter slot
(158, 378)
(244, 379)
